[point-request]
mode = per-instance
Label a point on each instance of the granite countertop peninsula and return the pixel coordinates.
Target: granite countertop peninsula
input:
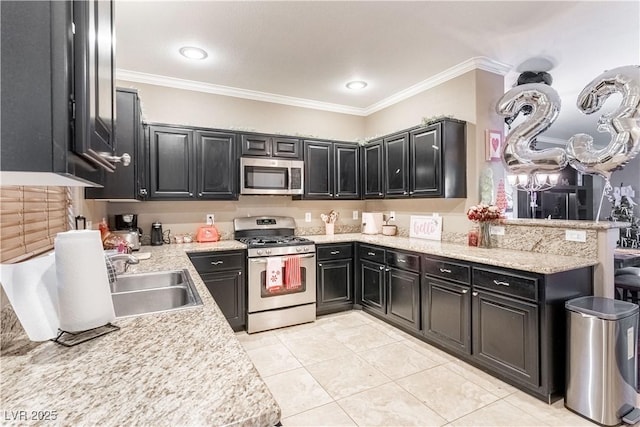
(180, 368)
(518, 260)
(566, 223)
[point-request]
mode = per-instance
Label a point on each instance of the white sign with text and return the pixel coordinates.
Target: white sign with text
(426, 227)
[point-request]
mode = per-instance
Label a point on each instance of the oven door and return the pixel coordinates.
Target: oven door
(261, 299)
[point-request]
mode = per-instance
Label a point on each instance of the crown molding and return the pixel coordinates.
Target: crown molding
(196, 86)
(476, 63)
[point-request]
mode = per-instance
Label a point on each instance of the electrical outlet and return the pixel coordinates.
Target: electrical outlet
(355, 215)
(497, 230)
(307, 217)
(575, 235)
(211, 219)
(392, 215)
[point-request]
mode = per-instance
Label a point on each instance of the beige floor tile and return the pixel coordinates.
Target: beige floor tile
(336, 323)
(261, 339)
(556, 414)
(397, 360)
(345, 376)
(327, 415)
(484, 380)
(296, 391)
(316, 348)
(299, 331)
(435, 354)
(392, 331)
(389, 405)
(447, 393)
(273, 359)
(499, 413)
(363, 337)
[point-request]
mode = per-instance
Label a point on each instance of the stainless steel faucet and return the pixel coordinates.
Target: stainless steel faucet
(121, 262)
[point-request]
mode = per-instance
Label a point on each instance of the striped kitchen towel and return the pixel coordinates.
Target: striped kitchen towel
(292, 274)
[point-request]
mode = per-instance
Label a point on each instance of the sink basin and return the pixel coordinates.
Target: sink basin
(157, 279)
(146, 293)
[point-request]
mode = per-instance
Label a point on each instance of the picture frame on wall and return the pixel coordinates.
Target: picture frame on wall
(493, 144)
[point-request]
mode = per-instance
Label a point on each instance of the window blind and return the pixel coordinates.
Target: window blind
(30, 218)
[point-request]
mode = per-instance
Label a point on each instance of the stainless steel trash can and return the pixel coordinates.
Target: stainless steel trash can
(601, 358)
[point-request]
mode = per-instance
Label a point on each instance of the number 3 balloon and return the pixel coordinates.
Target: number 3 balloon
(623, 123)
(517, 154)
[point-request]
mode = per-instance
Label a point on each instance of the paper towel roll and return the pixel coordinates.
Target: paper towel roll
(31, 289)
(84, 296)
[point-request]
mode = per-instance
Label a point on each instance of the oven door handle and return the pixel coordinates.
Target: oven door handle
(264, 260)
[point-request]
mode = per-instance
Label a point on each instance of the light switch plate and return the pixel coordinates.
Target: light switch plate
(497, 230)
(307, 217)
(575, 235)
(355, 215)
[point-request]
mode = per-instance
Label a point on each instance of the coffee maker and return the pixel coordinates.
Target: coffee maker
(126, 226)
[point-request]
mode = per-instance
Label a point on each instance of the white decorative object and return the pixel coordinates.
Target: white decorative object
(426, 227)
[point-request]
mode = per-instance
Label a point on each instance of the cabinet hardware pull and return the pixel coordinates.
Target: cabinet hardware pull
(190, 194)
(379, 194)
(335, 252)
(331, 194)
(497, 282)
(143, 191)
(475, 294)
(200, 194)
(435, 147)
(445, 270)
(125, 159)
(381, 268)
(239, 273)
(464, 291)
(386, 269)
(217, 262)
(319, 265)
(371, 253)
(411, 192)
(404, 192)
(402, 260)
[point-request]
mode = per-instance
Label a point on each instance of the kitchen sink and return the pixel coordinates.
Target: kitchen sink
(146, 293)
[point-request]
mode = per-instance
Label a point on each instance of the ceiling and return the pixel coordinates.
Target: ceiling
(305, 52)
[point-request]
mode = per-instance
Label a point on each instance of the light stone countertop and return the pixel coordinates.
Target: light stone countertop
(566, 223)
(180, 368)
(518, 260)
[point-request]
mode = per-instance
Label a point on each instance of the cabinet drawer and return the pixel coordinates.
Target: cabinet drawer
(372, 253)
(447, 270)
(403, 260)
(217, 261)
(330, 252)
(506, 283)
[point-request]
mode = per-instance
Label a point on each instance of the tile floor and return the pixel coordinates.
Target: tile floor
(352, 369)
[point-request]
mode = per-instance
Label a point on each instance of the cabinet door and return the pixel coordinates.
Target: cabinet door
(446, 314)
(346, 171)
(505, 336)
(425, 167)
(94, 88)
(373, 170)
(123, 183)
(335, 284)
(170, 158)
(397, 165)
(372, 284)
(216, 161)
(227, 288)
(285, 147)
(404, 297)
(318, 170)
(255, 145)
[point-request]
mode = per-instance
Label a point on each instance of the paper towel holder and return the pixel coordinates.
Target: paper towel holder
(76, 338)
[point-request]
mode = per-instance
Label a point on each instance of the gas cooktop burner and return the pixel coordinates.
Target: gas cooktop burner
(274, 241)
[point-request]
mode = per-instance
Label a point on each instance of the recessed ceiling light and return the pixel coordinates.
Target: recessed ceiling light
(356, 85)
(193, 52)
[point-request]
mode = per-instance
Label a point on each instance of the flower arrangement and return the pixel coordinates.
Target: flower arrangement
(484, 213)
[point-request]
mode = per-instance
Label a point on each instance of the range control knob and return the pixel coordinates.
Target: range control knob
(306, 249)
(268, 251)
(259, 251)
(298, 249)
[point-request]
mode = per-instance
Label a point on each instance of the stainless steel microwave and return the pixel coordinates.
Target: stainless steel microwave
(271, 176)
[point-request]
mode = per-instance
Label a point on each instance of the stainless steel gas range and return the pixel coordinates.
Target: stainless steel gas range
(273, 248)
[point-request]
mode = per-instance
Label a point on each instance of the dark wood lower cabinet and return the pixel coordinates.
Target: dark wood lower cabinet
(372, 280)
(335, 286)
(227, 288)
(505, 336)
(446, 314)
(404, 297)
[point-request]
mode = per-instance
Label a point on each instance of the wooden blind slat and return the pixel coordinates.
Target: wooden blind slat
(30, 218)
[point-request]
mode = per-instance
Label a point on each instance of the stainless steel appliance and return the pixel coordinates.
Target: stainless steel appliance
(132, 237)
(268, 237)
(126, 222)
(271, 176)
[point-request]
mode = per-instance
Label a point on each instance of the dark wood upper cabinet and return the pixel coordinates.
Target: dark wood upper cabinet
(396, 182)
(171, 163)
(373, 170)
(347, 175)
(216, 165)
(331, 170)
(258, 145)
(425, 166)
(94, 73)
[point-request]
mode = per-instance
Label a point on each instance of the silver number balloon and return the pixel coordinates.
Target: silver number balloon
(517, 154)
(623, 123)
